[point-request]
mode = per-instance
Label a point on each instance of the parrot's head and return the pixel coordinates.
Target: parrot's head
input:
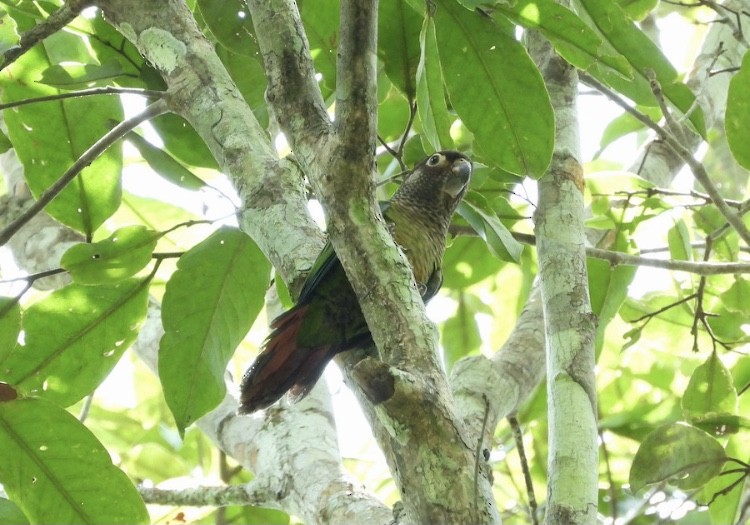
(438, 182)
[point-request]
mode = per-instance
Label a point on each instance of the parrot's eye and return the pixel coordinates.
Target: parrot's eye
(434, 160)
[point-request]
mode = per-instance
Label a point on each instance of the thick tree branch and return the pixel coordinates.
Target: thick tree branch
(201, 91)
(568, 320)
(293, 91)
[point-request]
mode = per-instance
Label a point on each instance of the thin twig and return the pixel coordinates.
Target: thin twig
(478, 453)
(699, 171)
(615, 258)
(108, 90)
(116, 133)
(518, 437)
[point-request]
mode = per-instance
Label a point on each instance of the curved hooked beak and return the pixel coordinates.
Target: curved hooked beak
(461, 171)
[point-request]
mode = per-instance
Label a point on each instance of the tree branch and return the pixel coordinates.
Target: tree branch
(293, 91)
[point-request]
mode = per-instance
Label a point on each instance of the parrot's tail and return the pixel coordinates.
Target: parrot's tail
(283, 365)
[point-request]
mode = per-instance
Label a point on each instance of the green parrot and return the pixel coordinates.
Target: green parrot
(327, 318)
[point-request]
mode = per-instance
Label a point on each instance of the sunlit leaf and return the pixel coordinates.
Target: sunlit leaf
(573, 39)
(710, 390)
(492, 82)
(78, 76)
(10, 514)
(678, 239)
(10, 325)
(50, 137)
(209, 305)
(73, 339)
(230, 23)
(738, 114)
(398, 43)
(121, 255)
(433, 111)
(164, 164)
(56, 471)
(645, 57)
(499, 239)
(737, 297)
(678, 453)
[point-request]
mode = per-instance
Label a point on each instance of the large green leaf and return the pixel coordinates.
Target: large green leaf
(209, 305)
(679, 453)
(622, 37)
(710, 390)
(475, 210)
(738, 114)
(459, 335)
(8, 35)
(573, 39)
(398, 43)
(73, 339)
(230, 22)
(164, 164)
(10, 325)
(121, 255)
(10, 514)
(49, 137)
(321, 21)
(433, 111)
(493, 86)
(56, 471)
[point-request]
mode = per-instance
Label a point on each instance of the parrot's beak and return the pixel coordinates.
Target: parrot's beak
(462, 173)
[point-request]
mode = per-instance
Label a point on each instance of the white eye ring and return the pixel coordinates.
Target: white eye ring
(434, 160)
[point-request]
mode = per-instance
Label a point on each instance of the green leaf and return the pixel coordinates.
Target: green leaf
(678, 239)
(250, 78)
(78, 76)
(230, 22)
(10, 325)
(466, 263)
(8, 36)
(737, 297)
(5, 143)
(56, 471)
(165, 164)
(721, 424)
(10, 514)
(492, 83)
(321, 21)
(433, 111)
(573, 39)
(678, 453)
(50, 137)
(608, 288)
(499, 240)
(725, 507)
(624, 38)
(610, 182)
(738, 114)
(637, 9)
(398, 44)
(209, 305)
(121, 255)
(624, 125)
(460, 333)
(181, 140)
(93, 325)
(710, 390)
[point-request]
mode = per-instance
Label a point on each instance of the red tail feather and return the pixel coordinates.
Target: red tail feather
(282, 365)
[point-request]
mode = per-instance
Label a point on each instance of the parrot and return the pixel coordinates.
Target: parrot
(327, 318)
